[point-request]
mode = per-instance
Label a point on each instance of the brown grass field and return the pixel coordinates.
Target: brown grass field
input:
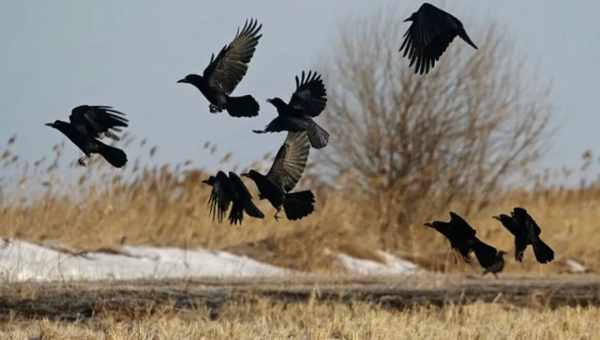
(265, 320)
(411, 307)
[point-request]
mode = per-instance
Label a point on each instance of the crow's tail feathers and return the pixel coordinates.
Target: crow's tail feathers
(116, 157)
(299, 204)
(465, 37)
(244, 106)
(253, 210)
(317, 136)
(236, 215)
(543, 252)
(486, 254)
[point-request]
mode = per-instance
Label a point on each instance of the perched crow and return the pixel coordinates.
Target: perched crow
(224, 73)
(87, 124)
(232, 191)
(526, 231)
(308, 101)
(285, 173)
(429, 35)
(462, 238)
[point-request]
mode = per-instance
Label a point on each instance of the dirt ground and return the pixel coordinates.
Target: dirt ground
(77, 301)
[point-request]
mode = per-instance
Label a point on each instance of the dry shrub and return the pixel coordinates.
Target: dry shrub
(419, 144)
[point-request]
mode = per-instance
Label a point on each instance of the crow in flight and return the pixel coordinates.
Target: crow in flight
(225, 71)
(283, 176)
(429, 35)
(87, 124)
(232, 191)
(462, 238)
(307, 101)
(526, 231)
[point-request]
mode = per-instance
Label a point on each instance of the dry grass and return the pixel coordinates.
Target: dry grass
(99, 207)
(314, 320)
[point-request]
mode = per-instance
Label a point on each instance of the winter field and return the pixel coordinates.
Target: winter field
(142, 292)
(99, 253)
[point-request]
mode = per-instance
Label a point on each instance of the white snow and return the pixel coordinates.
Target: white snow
(24, 261)
(392, 265)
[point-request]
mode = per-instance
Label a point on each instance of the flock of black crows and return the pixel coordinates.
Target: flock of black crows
(519, 223)
(430, 33)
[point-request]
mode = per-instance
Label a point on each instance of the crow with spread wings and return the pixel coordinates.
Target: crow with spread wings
(230, 191)
(307, 101)
(283, 176)
(429, 35)
(226, 70)
(462, 238)
(87, 124)
(526, 232)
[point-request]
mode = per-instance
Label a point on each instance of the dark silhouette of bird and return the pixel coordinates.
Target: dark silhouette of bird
(230, 191)
(429, 35)
(526, 232)
(87, 125)
(497, 266)
(226, 70)
(462, 238)
(307, 101)
(283, 176)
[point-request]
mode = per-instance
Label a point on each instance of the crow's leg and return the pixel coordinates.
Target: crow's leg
(82, 160)
(214, 108)
(277, 214)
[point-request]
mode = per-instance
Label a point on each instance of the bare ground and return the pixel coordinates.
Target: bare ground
(83, 300)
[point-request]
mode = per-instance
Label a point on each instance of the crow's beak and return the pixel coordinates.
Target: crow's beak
(270, 100)
(206, 182)
(245, 174)
(49, 124)
(410, 18)
(181, 81)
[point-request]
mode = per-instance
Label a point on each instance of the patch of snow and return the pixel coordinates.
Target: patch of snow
(23, 261)
(392, 265)
(574, 266)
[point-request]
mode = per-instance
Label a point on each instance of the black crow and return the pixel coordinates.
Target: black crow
(87, 124)
(232, 191)
(283, 176)
(526, 231)
(462, 238)
(224, 73)
(429, 35)
(307, 101)
(497, 266)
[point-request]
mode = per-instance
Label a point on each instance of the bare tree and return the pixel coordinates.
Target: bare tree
(456, 134)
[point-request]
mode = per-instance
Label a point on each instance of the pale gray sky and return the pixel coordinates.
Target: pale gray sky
(129, 54)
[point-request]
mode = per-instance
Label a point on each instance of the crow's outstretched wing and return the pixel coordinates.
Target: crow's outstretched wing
(519, 232)
(461, 227)
(242, 201)
(221, 196)
(526, 221)
(98, 121)
(229, 67)
(290, 161)
(310, 96)
(431, 32)
(510, 224)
